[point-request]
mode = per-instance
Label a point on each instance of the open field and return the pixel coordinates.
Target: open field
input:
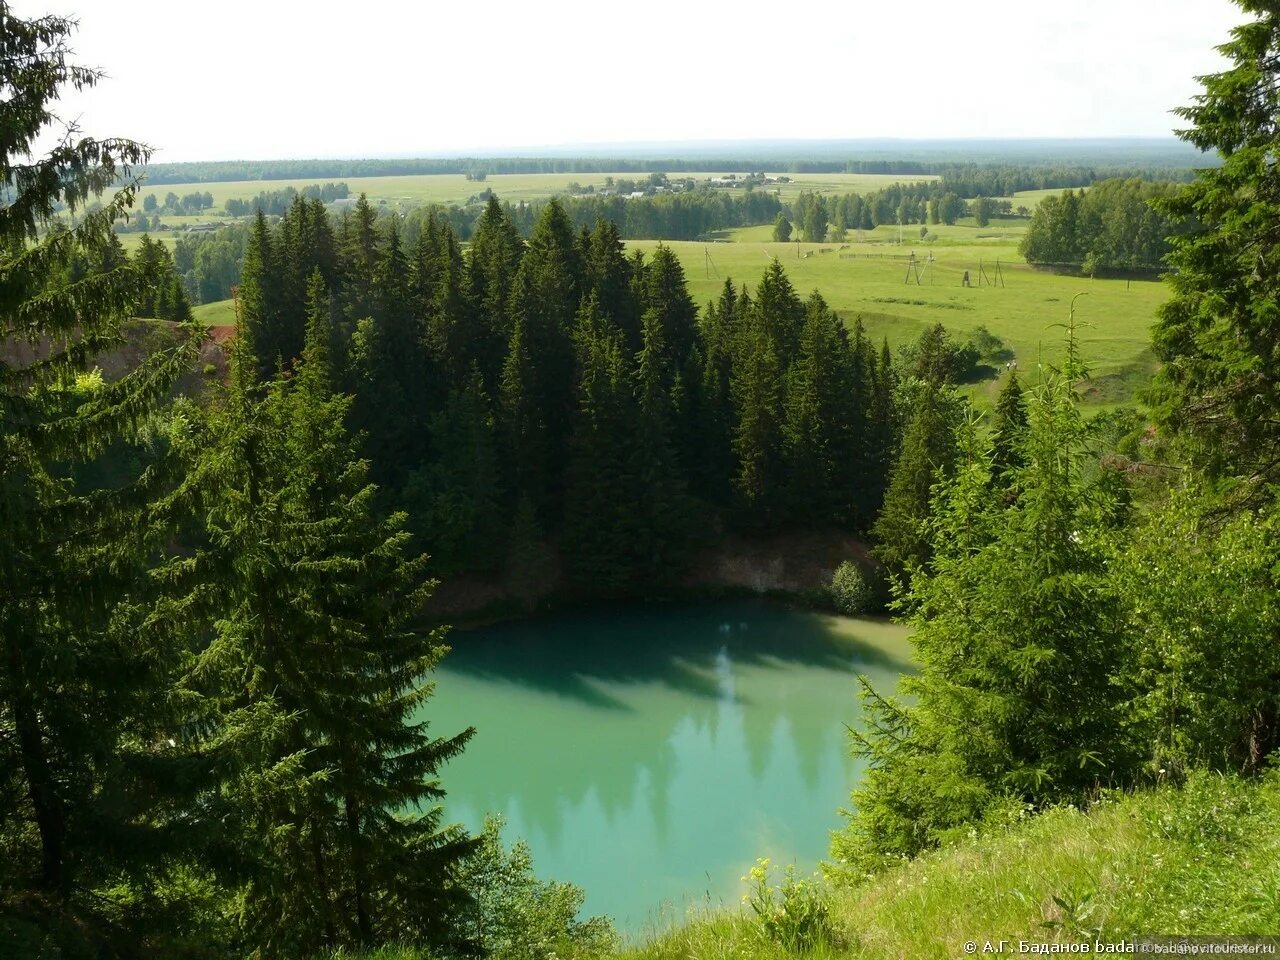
(1033, 198)
(130, 241)
(868, 280)
(220, 313)
(965, 232)
(455, 188)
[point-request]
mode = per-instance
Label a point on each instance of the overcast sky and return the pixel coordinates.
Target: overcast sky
(224, 79)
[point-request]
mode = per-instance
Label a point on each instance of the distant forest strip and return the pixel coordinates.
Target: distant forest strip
(1117, 225)
(989, 178)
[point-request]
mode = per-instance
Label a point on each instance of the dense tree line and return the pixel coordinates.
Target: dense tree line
(163, 294)
(209, 263)
(1116, 224)
(562, 380)
(1004, 180)
(830, 217)
(672, 216)
(173, 205)
(478, 168)
(968, 178)
(276, 202)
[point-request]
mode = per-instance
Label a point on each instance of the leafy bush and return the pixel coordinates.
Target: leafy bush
(851, 592)
(794, 914)
(520, 917)
(1203, 612)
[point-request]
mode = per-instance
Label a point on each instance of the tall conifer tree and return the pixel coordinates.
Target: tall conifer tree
(927, 456)
(817, 430)
(86, 770)
(319, 678)
(757, 388)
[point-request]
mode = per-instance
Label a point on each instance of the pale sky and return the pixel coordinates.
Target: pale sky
(257, 79)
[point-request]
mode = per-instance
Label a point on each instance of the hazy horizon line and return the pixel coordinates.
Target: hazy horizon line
(623, 148)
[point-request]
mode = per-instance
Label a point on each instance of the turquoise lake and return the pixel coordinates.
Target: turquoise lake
(651, 753)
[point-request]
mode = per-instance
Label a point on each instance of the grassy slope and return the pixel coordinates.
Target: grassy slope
(220, 313)
(1200, 861)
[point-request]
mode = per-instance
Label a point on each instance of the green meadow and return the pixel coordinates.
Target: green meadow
(220, 313)
(875, 280)
(1033, 198)
(411, 191)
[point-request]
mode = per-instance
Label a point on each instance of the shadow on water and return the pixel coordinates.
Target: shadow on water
(573, 655)
(639, 724)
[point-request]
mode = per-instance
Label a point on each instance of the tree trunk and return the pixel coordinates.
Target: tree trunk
(364, 926)
(50, 818)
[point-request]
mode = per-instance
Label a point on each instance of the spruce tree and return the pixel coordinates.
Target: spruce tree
(757, 389)
(359, 258)
(661, 509)
(86, 769)
(882, 435)
(452, 334)
(544, 306)
(607, 274)
(319, 677)
(454, 500)
(257, 302)
(818, 426)
(1020, 638)
(860, 459)
(600, 516)
(1008, 429)
(495, 252)
(779, 309)
(305, 244)
(927, 456)
(667, 293)
(1219, 335)
(389, 373)
(523, 423)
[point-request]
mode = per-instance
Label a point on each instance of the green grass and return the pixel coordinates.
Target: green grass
(220, 313)
(1203, 860)
(130, 241)
(868, 279)
(1196, 862)
(410, 191)
(1033, 198)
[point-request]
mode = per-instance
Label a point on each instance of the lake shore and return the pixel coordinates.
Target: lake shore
(794, 567)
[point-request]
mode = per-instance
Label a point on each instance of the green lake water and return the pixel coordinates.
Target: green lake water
(651, 754)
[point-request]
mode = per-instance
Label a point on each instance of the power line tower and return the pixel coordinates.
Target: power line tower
(994, 279)
(709, 263)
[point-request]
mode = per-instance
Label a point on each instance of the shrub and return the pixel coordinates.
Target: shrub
(850, 590)
(523, 918)
(794, 914)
